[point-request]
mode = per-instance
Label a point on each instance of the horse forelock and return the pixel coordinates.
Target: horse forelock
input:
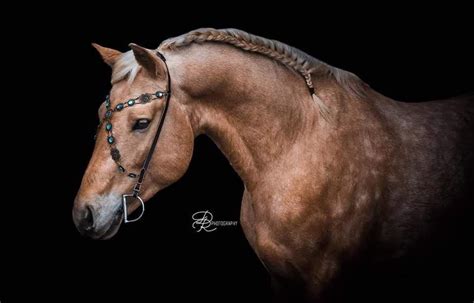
(126, 67)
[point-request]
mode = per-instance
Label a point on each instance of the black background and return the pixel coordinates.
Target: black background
(405, 54)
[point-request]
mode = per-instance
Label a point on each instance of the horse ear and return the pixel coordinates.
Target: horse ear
(148, 60)
(109, 55)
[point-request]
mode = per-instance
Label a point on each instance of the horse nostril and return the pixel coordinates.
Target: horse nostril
(88, 219)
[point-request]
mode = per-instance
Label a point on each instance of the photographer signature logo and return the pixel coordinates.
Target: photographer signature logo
(204, 221)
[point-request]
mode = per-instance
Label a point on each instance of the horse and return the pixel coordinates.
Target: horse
(335, 174)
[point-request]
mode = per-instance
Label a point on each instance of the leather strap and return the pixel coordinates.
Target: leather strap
(136, 189)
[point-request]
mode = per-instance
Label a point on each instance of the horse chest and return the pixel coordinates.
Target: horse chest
(294, 233)
(278, 234)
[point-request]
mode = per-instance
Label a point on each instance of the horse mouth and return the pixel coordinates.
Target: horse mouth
(112, 229)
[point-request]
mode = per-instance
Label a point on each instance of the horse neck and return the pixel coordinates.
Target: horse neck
(253, 108)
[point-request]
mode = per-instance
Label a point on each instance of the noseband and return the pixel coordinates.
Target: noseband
(111, 140)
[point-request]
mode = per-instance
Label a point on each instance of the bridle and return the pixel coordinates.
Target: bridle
(112, 142)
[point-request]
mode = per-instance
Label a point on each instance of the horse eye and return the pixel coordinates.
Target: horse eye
(141, 124)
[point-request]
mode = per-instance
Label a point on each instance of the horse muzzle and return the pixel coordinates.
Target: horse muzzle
(97, 222)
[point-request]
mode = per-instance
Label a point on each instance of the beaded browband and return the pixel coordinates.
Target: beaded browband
(111, 140)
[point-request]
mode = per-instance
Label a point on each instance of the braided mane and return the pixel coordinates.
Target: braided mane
(293, 58)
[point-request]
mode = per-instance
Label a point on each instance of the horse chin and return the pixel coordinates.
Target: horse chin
(111, 230)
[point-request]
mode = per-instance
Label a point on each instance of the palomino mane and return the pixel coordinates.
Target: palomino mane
(289, 56)
(293, 58)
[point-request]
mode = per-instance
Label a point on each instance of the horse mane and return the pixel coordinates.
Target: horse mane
(291, 57)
